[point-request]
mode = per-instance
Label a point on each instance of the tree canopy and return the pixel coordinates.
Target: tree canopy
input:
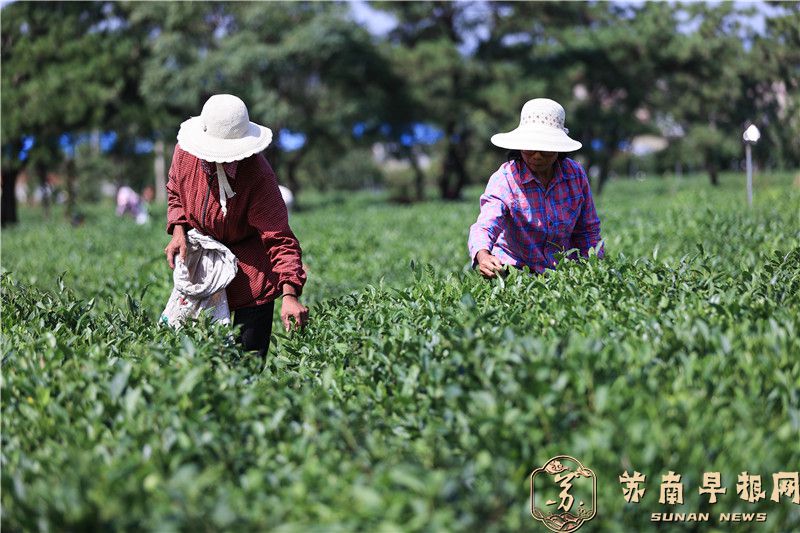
(695, 74)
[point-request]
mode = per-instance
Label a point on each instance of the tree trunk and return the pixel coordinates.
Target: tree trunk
(443, 188)
(273, 155)
(588, 163)
(419, 181)
(605, 159)
(711, 168)
(454, 172)
(41, 172)
(159, 169)
(95, 142)
(70, 183)
(605, 170)
(460, 174)
(8, 175)
(292, 164)
(419, 176)
(8, 209)
(291, 175)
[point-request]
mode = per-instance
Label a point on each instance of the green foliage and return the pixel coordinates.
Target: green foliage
(400, 185)
(64, 68)
(703, 139)
(421, 396)
(443, 82)
(92, 169)
(625, 70)
(141, 68)
(778, 51)
(352, 171)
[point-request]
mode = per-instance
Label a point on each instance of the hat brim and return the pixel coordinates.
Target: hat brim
(200, 144)
(544, 139)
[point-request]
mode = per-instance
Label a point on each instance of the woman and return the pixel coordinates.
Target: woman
(221, 185)
(538, 203)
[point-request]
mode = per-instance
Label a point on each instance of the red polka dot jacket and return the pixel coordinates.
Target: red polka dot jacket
(256, 227)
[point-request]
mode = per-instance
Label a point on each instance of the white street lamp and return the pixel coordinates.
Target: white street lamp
(751, 136)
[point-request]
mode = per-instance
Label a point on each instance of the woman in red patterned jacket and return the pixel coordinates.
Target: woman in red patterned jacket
(221, 185)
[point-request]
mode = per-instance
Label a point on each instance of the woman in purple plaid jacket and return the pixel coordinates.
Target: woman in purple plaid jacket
(538, 203)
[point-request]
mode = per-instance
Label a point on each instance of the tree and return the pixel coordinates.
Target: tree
(63, 72)
(602, 61)
(302, 67)
(176, 39)
(430, 51)
(775, 86)
(707, 93)
(317, 73)
(626, 70)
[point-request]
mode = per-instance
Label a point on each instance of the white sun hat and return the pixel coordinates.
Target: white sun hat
(541, 127)
(223, 131)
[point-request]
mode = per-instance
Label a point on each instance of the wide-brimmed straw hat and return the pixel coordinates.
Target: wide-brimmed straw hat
(223, 131)
(541, 127)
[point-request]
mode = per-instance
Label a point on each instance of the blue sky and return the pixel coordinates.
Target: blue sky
(376, 21)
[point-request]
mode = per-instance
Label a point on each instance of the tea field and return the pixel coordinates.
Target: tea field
(421, 397)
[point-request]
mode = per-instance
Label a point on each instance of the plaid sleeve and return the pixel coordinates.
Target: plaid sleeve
(586, 233)
(483, 234)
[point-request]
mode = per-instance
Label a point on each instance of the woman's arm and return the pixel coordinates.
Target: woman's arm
(267, 214)
(586, 233)
(175, 212)
(176, 216)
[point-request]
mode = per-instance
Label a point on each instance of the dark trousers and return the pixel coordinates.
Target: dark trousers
(256, 327)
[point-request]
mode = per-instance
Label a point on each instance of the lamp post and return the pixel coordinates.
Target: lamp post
(751, 136)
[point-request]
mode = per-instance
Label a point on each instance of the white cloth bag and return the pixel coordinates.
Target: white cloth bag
(200, 281)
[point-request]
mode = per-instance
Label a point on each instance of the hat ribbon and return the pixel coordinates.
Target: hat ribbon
(225, 190)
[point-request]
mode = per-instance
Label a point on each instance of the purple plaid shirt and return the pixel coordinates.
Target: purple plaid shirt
(522, 224)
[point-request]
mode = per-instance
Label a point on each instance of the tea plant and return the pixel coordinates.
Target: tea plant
(421, 396)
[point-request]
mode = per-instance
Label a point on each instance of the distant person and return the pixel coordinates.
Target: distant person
(44, 193)
(221, 185)
(148, 194)
(21, 192)
(288, 197)
(538, 203)
(130, 203)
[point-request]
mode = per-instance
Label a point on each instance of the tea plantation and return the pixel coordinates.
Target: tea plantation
(421, 397)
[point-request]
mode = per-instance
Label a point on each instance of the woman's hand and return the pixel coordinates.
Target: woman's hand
(488, 264)
(176, 246)
(292, 308)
